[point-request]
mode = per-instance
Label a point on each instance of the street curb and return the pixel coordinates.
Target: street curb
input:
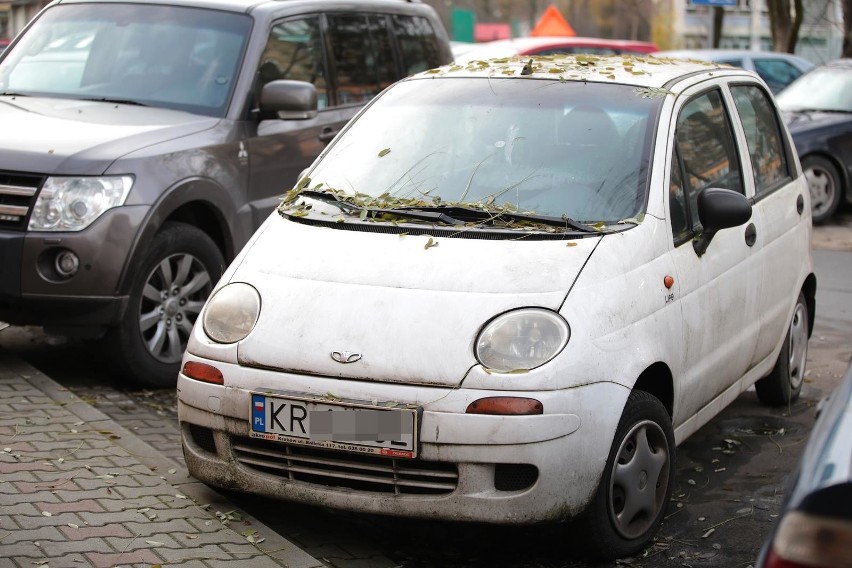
(285, 552)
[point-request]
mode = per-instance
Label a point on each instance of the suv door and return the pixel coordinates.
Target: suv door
(350, 57)
(719, 290)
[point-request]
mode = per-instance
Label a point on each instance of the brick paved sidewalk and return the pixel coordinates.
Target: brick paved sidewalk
(77, 490)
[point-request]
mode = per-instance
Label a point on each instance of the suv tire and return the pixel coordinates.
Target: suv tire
(177, 275)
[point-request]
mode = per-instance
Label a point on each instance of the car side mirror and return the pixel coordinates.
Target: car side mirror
(289, 100)
(719, 209)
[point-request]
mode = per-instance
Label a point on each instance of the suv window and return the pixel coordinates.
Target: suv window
(360, 49)
(418, 44)
(763, 134)
(294, 51)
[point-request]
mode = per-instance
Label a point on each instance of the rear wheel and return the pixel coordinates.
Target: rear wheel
(636, 484)
(784, 384)
(824, 186)
(173, 282)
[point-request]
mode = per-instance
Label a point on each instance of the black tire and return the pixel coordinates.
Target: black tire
(635, 488)
(172, 283)
(784, 384)
(824, 185)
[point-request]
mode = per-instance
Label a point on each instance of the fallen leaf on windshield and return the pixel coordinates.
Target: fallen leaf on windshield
(384, 152)
(429, 244)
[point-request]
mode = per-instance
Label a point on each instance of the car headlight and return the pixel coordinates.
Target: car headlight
(73, 203)
(231, 313)
(522, 339)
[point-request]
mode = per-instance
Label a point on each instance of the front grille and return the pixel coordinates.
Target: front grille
(340, 469)
(17, 197)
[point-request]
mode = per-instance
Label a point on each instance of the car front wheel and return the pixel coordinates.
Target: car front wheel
(636, 484)
(824, 186)
(173, 282)
(783, 385)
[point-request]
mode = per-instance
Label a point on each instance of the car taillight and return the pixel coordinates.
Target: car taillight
(804, 540)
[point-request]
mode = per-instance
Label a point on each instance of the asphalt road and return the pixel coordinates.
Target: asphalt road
(729, 484)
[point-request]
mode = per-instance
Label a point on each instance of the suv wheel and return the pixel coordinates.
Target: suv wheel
(175, 279)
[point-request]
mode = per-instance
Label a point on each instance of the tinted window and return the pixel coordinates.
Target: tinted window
(418, 43)
(763, 134)
(363, 61)
(294, 51)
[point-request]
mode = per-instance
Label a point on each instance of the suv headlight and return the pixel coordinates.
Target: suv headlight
(231, 313)
(73, 203)
(522, 339)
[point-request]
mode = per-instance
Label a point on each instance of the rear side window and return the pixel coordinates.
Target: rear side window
(418, 44)
(361, 56)
(763, 134)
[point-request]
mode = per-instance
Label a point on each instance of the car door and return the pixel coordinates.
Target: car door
(779, 211)
(718, 290)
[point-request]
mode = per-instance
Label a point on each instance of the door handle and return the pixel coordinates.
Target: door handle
(800, 204)
(751, 234)
(327, 134)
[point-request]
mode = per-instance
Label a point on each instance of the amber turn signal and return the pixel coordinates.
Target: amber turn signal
(203, 372)
(505, 405)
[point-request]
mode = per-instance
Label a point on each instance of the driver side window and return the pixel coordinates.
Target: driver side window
(705, 156)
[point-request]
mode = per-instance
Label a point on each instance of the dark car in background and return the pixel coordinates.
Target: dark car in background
(814, 529)
(143, 142)
(818, 110)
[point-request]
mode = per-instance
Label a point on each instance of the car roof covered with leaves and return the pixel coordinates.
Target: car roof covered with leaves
(644, 71)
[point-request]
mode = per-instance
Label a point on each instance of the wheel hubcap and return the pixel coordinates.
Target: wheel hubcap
(798, 347)
(821, 189)
(640, 478)
(172, 298)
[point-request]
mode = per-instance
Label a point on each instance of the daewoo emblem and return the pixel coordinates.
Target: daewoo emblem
(345, 356)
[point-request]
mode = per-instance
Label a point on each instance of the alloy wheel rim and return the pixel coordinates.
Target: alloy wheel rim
(639, 479)
(821, 189)
(798, 347)
(173, 295)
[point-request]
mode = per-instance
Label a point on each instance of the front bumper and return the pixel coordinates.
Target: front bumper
(484, 468)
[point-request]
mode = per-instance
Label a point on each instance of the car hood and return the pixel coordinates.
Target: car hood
(72, 137)
(804, 121)
(410, 306)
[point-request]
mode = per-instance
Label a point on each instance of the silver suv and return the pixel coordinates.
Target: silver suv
(143, 142)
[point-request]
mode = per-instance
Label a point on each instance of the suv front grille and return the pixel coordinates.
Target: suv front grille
(340, 469)
(17, 197)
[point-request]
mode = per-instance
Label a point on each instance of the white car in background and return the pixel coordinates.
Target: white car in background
(777, 69)
(506, 292)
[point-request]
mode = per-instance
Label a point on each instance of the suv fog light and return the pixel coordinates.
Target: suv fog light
(66, 263)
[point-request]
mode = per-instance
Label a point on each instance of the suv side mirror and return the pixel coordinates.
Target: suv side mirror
(294, 100)
(719, 209)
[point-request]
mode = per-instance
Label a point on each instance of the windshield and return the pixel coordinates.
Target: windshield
(179, 58)
(551, 148)
(828, 88)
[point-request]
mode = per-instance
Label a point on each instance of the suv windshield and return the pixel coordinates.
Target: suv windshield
(178, 58)
(551, 148)
(828, 88)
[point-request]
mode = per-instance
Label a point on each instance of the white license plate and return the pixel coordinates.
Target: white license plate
(361, 428)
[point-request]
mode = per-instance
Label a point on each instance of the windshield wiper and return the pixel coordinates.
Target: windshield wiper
(416, 214)
(13, 94)
(475, 214)
(450, 214)
(114, 101)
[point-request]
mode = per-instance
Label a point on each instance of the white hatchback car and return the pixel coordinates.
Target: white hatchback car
(506, 292)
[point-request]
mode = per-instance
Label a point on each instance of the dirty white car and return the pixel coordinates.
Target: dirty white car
(506, 292)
